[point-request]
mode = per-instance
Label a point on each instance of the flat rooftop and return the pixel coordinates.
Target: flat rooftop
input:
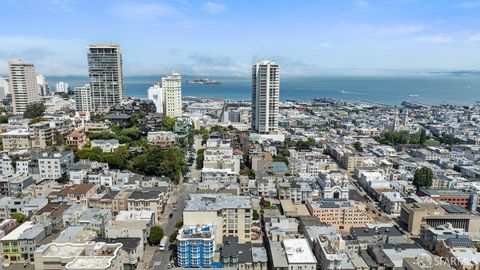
(298, 251)
(215, 202)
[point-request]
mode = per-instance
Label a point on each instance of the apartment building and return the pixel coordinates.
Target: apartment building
(196, 246)
(76, 256)
(54, 165)
(342, 214)
(153, 200)
(16, 139)
(230, 215)
(23, 85)
(20, 244)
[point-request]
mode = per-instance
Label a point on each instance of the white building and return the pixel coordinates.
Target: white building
(4, 88)
(391, 203)
(172, 95)
(73, 256)
(83, 98)
(23, 85)
(53, 166)
(265, 96)
(61, 87)
(299, 254)
(42, 85)
(160, 137)
(106, 145)
(155, 94)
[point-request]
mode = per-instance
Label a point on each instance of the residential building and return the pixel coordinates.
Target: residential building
(20, 244)
(14, 185)
(161, 138)
(340, 213)
(54, 165)
(77, 139)
(75, 194)
(106, 145)
(155, 94)
(196, 246)
(299, 254)
(16, 139)
(61, 87)
(131, 224)
(265, 96)
(172, 95)
(23, 85)
(89, 255)
(230, 215)
(4, 87)
(106, 75)
(153, 200)
(83, 98)
(391, 203)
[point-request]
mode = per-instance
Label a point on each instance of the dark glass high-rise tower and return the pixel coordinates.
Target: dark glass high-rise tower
(106, 77)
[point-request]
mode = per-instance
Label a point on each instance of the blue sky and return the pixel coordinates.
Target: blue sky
(226, 37)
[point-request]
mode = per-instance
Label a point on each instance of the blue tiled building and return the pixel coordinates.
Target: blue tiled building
(196, 246)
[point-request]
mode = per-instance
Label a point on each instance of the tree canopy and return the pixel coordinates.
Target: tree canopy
(423, 177)
(156, 161)
(34, 110)
(19, 217)
(156, 235)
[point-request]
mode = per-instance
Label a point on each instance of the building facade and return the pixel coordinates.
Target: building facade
(265, 96)
(155, 94)
(106, 76)
(172, 95)
(23, 85)
(83, 98)
(195, 246)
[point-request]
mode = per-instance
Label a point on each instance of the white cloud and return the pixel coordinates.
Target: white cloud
(214, 8)
(435, 39)
(38, 50)
(62, 5)
(468, 4)
(324, 45)
(474, 38)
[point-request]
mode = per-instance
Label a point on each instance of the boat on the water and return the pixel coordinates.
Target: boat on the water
(203, 81)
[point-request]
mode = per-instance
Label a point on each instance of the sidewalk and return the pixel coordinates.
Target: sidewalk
(146, 258)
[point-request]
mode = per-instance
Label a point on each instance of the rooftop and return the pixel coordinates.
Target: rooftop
(28, 230)
(215, 202)
(298, 251)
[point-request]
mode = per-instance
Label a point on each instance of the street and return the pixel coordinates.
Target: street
(161, 259)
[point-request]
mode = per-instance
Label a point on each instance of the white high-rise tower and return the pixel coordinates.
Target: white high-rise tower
(265, 97)
(172, 95)
(23, 85)
(155, 94)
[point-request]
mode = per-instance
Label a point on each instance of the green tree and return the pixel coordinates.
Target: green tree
(160, 162)
(156, 235)
(34, 110)
(423, 136)
(358, 146)
(423, 177)
(168, 123)
(179, 224)
(200, 158)
(255, 215)
(19, 217)
(264, 203)
(173, 237)
(113, 160)
(122, 152)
